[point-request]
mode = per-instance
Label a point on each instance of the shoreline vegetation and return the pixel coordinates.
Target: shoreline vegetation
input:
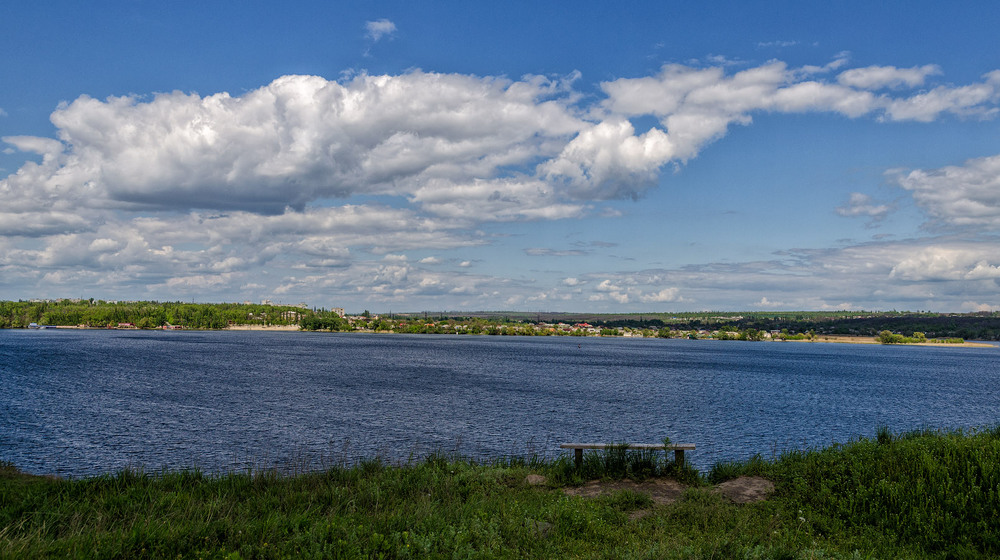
(922, 494)
(858, 327)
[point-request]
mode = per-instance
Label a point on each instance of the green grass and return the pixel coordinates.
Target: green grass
(913, 495)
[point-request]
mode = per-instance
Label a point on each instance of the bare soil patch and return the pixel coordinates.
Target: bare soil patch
(661, 490)
(745, 489)
(742, 490)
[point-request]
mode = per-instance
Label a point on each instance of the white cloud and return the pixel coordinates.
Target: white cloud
(975, 100)
(498, 200)
(861, 204)
(607, 286)
(768, 304)
(980, 307)
(930, 273)
(965, 195)
(944, 262)
(41, 223)
(33, 144)
(877, 77)
(151, 250)
(302, 138)
(634, 288)
(664, 295)
(380, 28)
(458, 146)
(697, 105)
(104, 245)
(608, 160)
(160, 191)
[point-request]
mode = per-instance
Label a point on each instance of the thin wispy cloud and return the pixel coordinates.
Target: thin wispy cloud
(862, 205)
(780, 44)
(544, 252)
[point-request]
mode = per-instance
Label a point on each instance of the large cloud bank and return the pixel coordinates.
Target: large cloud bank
(179, 189)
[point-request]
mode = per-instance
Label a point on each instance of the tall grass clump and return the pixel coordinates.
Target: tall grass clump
(939, 491)
(620, 461)
(728, 470)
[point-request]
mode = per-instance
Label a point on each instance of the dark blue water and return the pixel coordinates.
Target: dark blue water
(88, 402)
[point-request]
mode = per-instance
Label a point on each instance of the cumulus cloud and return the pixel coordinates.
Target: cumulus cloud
(948, 263)
(160, 190)
(376, 30)
(486, 149)
(961, 195)
(296, 140)
(608, 160)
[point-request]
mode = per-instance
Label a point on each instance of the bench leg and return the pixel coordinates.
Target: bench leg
(679, 457)
(578, 457)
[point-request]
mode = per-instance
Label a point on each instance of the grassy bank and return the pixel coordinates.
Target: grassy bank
(917, 495)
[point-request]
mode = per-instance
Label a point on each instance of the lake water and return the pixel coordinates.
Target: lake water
(78, 403)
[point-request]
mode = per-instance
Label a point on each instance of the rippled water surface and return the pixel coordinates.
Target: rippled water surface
(86, 402)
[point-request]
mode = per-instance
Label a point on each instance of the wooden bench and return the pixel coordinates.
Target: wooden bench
(678, 449)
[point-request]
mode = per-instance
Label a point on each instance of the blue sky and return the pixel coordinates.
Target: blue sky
(588, 156)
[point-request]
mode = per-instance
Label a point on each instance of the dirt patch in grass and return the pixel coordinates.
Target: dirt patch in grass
(742, 490)
(661, 490)
(746, 489)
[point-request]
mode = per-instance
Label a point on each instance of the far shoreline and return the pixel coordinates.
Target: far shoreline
(822, 338)
(846, 339)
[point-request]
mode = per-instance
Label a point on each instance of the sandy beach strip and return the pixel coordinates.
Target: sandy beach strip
(873, 340)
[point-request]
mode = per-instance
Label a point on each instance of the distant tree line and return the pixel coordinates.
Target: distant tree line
(745, 326)
(968, 326)
(145, 314)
